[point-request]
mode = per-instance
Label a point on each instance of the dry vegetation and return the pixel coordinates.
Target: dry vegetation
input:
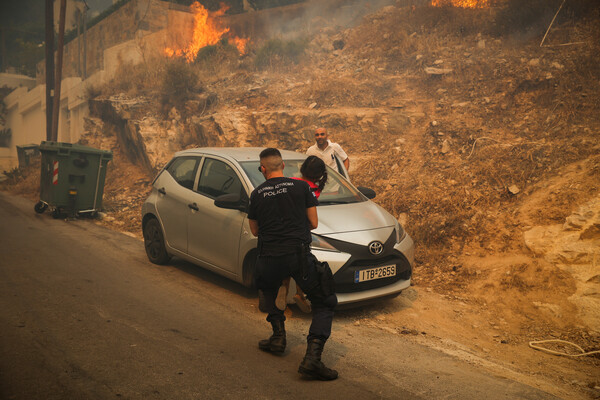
(472, 158)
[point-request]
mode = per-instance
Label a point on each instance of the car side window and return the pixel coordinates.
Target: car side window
(183, 170)
(217, 178)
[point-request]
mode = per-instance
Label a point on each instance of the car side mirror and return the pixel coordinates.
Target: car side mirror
(232, 201)
(368, 192)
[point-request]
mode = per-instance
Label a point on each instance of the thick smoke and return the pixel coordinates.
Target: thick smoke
(316, 15)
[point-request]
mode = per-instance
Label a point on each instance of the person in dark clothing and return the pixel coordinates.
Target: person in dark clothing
(282, 213)
(314, 173)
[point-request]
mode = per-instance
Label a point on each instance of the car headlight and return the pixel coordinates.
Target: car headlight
(400, 233)
(319, 243)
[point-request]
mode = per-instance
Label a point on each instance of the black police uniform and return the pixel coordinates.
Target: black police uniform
(279, 207)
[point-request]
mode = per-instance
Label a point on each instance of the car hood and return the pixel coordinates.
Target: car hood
(342, 218)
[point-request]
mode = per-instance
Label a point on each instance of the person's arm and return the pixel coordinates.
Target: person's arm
(253, 226)
(313, 219)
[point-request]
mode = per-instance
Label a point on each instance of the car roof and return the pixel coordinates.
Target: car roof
(239, 153)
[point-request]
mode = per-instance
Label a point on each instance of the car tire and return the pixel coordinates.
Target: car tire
(154, 243)
(249, 270)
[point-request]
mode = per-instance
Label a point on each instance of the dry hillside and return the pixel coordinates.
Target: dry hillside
(484, 144)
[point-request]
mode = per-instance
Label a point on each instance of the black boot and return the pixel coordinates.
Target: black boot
(276, 343)
(312, 367)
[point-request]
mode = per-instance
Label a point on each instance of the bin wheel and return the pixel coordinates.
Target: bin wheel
(57, 213)
(154, 242)
(40, 207)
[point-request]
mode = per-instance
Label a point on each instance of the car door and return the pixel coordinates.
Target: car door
(213, 232)
(341, 167)
(174, 188)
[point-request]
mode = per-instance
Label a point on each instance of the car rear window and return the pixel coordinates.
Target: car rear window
(183, 170)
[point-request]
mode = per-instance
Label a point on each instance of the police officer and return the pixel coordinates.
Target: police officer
(282, 213)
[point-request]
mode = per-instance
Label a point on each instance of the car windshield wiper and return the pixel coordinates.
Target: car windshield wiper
(325, 202)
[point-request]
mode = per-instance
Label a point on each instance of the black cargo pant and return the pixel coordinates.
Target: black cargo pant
(271, 270)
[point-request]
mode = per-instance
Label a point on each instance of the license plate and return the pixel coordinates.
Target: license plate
(364, 275)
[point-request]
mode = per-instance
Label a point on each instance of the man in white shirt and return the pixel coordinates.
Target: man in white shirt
(327, 150)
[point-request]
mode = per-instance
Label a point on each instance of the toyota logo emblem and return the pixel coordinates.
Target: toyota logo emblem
(376, 248)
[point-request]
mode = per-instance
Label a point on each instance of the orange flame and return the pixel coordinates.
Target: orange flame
(207, 31)
(461, 3)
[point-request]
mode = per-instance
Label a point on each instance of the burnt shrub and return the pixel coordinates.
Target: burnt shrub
(218, 53)
(277, 51)
(180, 83)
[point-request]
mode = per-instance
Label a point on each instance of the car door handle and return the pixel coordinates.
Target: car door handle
(162, 191)
(193, 206)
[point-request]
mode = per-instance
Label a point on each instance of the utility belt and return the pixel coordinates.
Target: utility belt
(322, 287)
(302, 251)
(279, 249)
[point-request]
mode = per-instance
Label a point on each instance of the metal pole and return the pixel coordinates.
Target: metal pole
(97, 183)
(3, 47)
(78, 13)
(85, 7)
(555, 15)
(59, 59)
(49, 66)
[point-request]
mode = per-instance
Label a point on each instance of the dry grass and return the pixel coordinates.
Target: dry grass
(136, 80)
(25, 181)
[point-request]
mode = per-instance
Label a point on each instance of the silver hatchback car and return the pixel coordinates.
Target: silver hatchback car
(197, 210)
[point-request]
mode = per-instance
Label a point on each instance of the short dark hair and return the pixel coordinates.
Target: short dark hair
(269, 152)
(270, 159)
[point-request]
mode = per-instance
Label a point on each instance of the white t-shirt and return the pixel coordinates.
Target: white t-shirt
(328, 154)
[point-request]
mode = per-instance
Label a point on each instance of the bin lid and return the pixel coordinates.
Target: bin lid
(67, 148)
(28, 146)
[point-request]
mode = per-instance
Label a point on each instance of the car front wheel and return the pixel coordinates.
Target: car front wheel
(155, 243)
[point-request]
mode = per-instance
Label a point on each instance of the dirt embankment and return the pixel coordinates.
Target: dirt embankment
(479, 140)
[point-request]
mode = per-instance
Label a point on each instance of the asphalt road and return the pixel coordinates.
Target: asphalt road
(85, 315)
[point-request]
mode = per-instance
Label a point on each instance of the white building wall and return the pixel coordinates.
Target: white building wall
(26, 117)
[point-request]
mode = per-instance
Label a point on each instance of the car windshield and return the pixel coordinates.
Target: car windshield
(337, 190)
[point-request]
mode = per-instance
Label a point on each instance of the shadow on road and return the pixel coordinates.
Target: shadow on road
(368, 309)
(212, 278)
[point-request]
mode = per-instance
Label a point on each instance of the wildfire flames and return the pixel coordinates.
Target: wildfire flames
(461, 3)
(207, 31)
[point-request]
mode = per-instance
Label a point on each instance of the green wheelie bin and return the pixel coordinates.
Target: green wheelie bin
(72, 178)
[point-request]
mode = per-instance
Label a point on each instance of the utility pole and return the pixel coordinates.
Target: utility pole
(85, 8)
(49, 66)
(59, 59)
(79, 18)
(2, 49)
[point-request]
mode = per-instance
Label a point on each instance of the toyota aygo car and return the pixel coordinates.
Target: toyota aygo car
(197, 211)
